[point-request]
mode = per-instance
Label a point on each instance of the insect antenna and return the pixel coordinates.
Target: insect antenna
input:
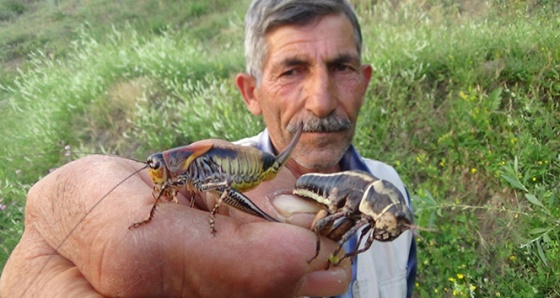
(68, 151)
(414, 229)
(78, 224)
(132, 159)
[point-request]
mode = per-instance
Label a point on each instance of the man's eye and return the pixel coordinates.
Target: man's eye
(291, 72)
(342, 67)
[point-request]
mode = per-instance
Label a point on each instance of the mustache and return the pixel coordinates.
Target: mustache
(327, 124)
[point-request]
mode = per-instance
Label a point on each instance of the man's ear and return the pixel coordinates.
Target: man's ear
(247, 85)
(367, 71)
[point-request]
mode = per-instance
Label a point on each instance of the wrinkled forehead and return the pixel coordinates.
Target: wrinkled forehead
(313, 22)
(328, 38)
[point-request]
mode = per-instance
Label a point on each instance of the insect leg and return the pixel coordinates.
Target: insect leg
(340, 229)
(233, 198)
(212, 219)
(345, 238)
(367, 245)
(150, 215)
(168, 192)
(320, 215)
(212, 185)
(192, 198)
(356, 250)
(320, 223)
(239, 201)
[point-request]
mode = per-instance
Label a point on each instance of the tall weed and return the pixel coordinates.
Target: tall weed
(463, 103)
(457, 96)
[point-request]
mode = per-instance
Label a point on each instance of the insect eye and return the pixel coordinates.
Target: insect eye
(154, 162)
(155, 165)
(403, 217)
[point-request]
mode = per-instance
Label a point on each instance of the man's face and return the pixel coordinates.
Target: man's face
(312, 74)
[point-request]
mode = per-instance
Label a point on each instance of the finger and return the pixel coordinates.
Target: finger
(330, 282)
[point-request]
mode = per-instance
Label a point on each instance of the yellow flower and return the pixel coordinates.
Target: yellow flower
(472, 287)
(451, 279)
(473, 170)
(460, 276)
(512, 258)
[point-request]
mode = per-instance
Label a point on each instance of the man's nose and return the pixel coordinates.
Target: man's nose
(320, 97)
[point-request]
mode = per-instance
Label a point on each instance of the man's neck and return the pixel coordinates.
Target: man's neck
(298, 170)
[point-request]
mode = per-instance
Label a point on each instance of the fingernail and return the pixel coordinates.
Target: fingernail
(325, 283)
(287, 205)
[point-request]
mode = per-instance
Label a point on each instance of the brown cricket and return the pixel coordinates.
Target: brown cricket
(353, 200)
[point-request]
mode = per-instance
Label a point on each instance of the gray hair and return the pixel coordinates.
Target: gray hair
(266, 15)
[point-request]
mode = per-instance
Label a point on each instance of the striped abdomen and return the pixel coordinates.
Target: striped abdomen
(334, 190)
(242, 167)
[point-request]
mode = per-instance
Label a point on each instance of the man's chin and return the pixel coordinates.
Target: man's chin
(320, 140)
(319, 160)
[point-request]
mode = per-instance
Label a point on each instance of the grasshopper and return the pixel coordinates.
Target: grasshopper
(354, 200)
(222, 168)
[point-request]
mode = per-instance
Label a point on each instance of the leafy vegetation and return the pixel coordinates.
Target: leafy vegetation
(464, 103)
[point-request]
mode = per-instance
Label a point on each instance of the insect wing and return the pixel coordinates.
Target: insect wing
(177, 160)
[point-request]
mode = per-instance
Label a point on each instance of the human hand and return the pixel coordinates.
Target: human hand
(173, 255)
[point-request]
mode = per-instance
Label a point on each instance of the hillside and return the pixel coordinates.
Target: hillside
(464, 103)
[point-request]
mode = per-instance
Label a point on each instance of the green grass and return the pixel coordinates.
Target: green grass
(464, 103)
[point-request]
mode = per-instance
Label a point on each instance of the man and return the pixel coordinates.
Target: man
(304, 65)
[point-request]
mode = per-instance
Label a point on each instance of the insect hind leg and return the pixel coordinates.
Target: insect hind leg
(356, 250)
(336, 261)
(323, 224)
(212, 186)
(221, 188)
